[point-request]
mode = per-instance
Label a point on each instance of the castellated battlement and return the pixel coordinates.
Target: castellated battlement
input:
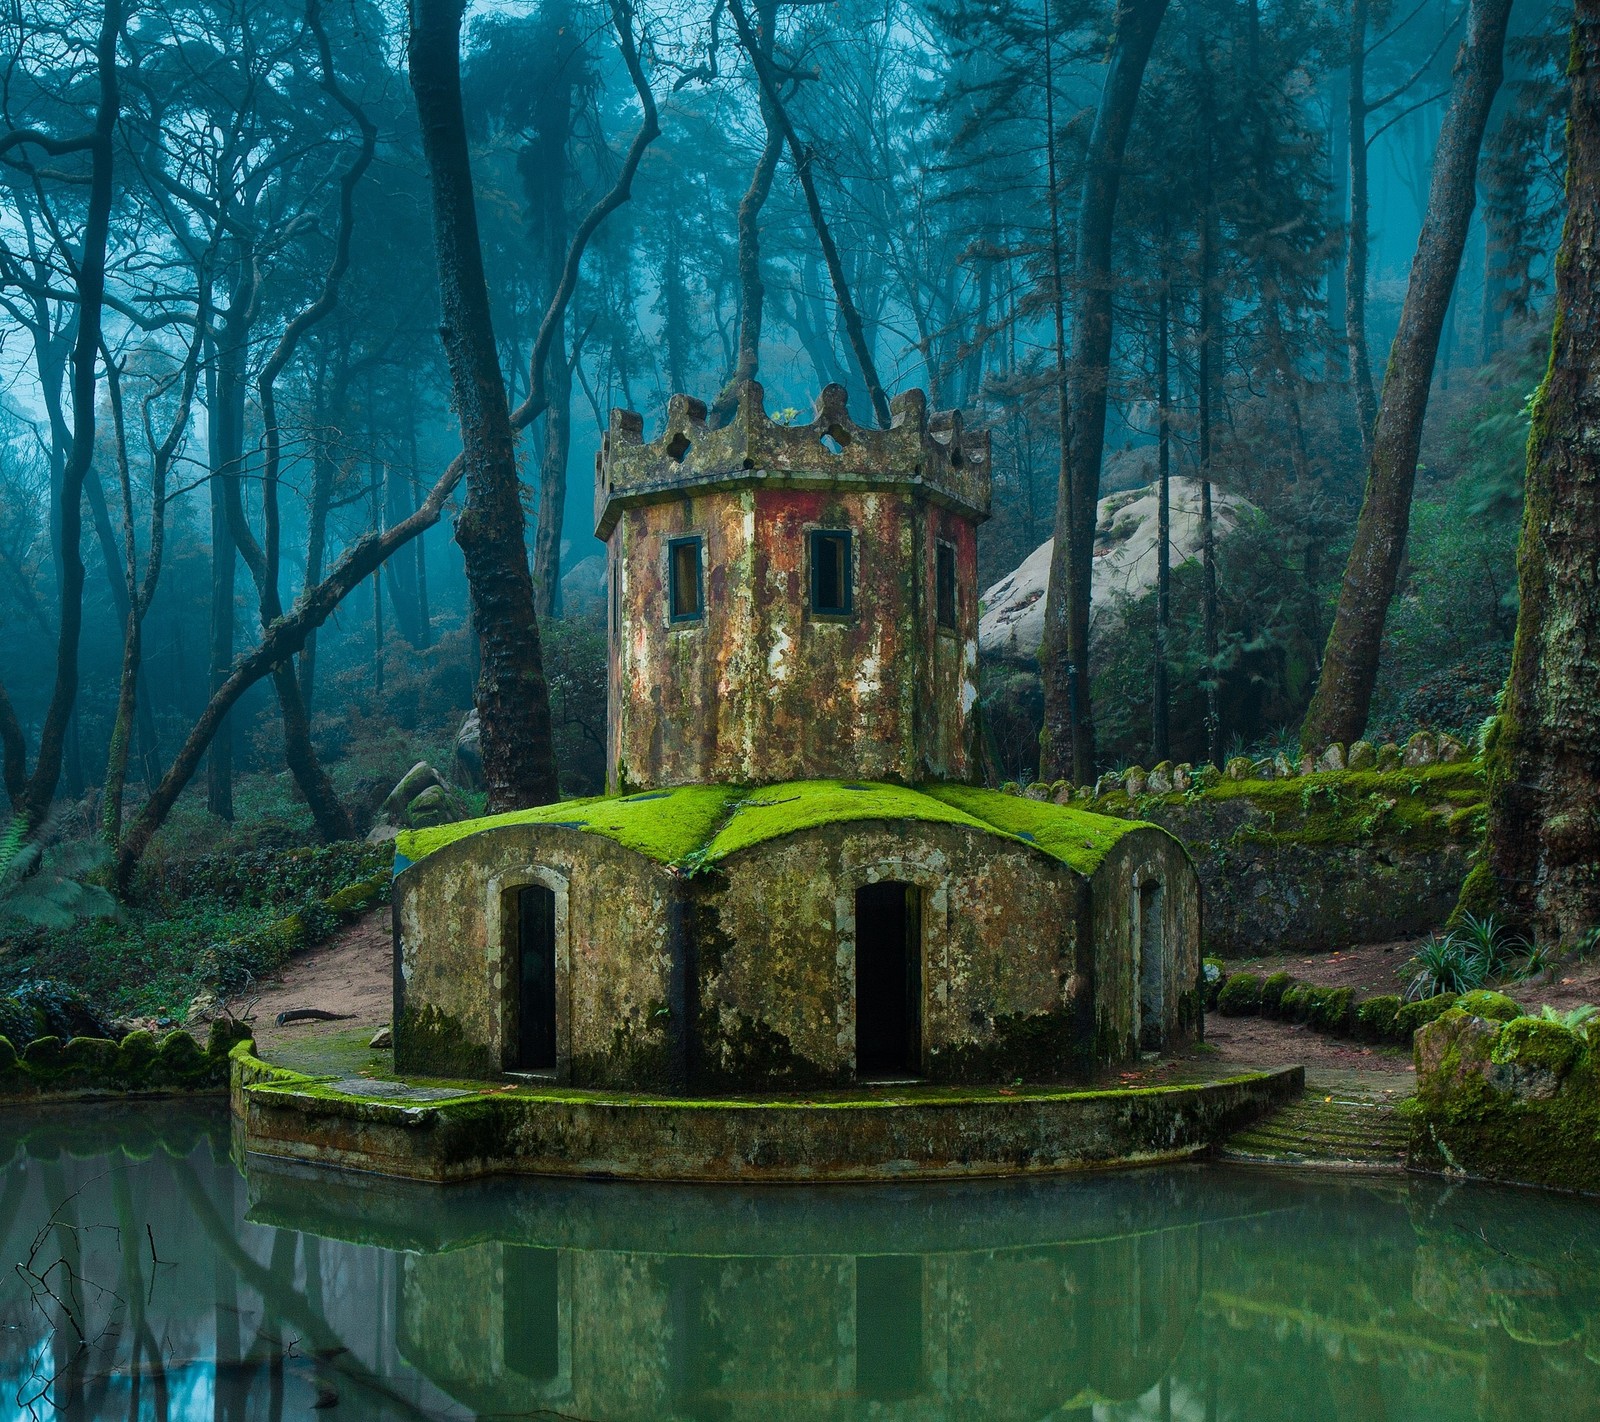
(931, 454)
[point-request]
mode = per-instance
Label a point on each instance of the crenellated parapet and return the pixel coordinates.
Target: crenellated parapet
(932, 454)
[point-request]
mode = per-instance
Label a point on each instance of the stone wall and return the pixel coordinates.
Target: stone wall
(1315, 861)
(742, 974)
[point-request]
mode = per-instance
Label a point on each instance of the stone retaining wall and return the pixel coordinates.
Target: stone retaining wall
(841, 1139)
(1310, 862)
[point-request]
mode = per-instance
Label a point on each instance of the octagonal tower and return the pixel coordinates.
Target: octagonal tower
(792, 602)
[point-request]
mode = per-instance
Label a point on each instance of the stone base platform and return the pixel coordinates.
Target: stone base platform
(461, 1131)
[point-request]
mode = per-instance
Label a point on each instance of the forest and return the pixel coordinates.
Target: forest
(314, 316)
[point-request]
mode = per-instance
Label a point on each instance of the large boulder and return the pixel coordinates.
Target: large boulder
(1125, 563)
(469, 753)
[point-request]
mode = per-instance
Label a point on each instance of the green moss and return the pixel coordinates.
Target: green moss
(8, 1054)
(699, 825)
(782, 809)
(1331, 1009)
(1376, 1018)
(1240, 996)
(664, 825)
(737, 1049)
(1295, 1004)
(1043, 1046)
(1480, 896)
(1272, 991)
(1415, 1015)
(1495, 1006)
(43, 1056)
(359, 896)
(428, 1042)
(1535, 1044)
(1424, 806)
(1077, 838)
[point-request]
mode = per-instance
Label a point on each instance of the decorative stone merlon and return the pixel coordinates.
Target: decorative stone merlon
(932, 453)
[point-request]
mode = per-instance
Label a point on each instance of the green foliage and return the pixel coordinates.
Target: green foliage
(221, 917)
(1580, 1021)
(1445, 963)
(42, 885)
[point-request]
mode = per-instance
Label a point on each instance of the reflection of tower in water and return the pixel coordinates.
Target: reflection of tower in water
(1015, 1332)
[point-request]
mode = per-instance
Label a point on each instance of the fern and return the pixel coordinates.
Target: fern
(42, 886)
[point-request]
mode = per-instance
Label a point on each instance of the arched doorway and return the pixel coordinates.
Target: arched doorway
(888, 979)
(536, 977)
(1152, 967)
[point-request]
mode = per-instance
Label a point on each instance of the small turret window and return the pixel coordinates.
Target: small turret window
(831, 590)
(944, 583)
(685, 592)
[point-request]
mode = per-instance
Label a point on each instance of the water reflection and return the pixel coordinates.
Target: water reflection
(153, 1282)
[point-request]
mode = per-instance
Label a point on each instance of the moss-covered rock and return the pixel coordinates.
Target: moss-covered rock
(1240, 996)
(1272, 991)
(43, 1057)
(1516, 1101)
(1495, 1006)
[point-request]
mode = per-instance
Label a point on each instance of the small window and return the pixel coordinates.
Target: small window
(685, 599)
(944, 583)
(830, 574)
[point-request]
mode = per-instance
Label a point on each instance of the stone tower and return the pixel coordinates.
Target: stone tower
(792, 602)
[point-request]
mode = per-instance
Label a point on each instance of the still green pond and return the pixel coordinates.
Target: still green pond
(148, 1278)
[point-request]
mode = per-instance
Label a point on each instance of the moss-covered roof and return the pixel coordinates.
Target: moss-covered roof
(696, 825)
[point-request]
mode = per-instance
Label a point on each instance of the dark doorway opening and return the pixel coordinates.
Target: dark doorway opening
(536, 978)
(888, 980)
(1152, 968)
(888, 1326)
(532, 1312)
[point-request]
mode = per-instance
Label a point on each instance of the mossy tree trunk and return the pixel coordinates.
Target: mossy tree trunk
(1338, 710)
(1544, 758)
(512, 698)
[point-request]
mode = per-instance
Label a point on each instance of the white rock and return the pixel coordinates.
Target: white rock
(1125, 559)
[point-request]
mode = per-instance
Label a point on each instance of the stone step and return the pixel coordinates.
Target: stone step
(1312, 1132)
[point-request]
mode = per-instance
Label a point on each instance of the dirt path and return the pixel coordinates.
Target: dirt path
(352, 973)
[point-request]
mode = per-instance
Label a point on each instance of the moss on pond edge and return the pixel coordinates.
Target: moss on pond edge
(140, 1064)
(692, 826)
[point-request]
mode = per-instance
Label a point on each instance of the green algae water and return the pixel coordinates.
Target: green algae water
(147, 1278)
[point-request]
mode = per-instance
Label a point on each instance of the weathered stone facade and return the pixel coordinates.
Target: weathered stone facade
(744, 974)
(796, 885)
(756, 684)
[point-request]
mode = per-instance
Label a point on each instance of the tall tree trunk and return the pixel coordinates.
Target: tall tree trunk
(1160, 730)
(90, 283)
(1068, 745)
(752, 292)
(225, 419)
(553, 486)
(1544, 758)
(1207, 297)
(1338, 710)
(512, 698)
(1355, 266)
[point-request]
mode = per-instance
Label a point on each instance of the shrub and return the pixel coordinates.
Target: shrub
(1446, 963)
(1272, 991)
(1331, 1009)
(1375, 1018)
(1294, 1005)
(1211, 977)
(1494, 1006)
(1240, 996)
(1419, 1014)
